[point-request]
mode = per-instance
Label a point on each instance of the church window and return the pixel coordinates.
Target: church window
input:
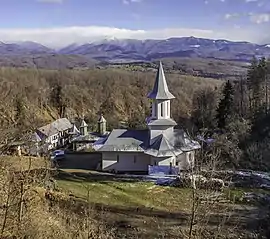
(190, 157)
(117, 158)
(168, 113)
(161, 109)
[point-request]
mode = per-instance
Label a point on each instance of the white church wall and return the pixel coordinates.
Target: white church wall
(125, 161)
(109, 160)
(163, 161)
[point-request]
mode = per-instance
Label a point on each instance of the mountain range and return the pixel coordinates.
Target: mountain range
(131, 50)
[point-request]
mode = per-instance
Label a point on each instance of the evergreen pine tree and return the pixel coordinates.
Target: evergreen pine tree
(225, 106)
(256, 80)
(262, 74)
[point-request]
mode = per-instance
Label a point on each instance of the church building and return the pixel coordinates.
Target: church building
(160, 144)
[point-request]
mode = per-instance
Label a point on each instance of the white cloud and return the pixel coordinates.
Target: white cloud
(59, 37)
(257, 18)
(260, 18)
(231, 15)
(130, 1)
(51, 1)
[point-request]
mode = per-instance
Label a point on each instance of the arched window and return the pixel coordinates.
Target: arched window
(190, 156)
(156, 109)
(161, 110)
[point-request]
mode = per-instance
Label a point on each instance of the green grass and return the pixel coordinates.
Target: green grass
(142, 205)
(151, 211)
(129, 194)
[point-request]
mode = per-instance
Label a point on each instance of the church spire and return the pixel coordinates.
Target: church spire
(160, 90)
(160, 119)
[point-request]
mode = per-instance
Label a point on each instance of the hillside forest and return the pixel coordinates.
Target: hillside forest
(235, 113)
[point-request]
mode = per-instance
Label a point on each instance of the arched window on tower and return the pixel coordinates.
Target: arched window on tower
(168, 110)
(161, 110)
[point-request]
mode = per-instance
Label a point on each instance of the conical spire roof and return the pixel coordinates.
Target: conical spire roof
(74, 130)
(160, 90)
(101, 119)
(83, 124)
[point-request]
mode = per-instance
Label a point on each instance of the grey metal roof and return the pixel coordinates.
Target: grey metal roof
(160, 90)
(183, 141)
(35, 137)
(125, 140)
(85, 138)
(167, 122)
(55, 127)
(138, 140)
(162, 147)
(74, 130)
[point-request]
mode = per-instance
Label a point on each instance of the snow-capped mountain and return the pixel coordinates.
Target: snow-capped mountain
(147, 50)
(113, 49)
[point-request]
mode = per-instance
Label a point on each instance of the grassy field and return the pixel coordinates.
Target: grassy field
(129, 207)
(140, 208)
(128, 193)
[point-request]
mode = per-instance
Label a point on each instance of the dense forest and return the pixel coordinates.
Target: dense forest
(235, 112)
(238, 118)
(31, 98)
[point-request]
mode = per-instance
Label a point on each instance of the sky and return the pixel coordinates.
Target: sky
(57, 23)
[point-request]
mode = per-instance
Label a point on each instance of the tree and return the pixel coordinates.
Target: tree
(59, 100)
(20, 111)
(258, 90)
(204, 105)
(136, 120)
(241, 100)
(225, 107)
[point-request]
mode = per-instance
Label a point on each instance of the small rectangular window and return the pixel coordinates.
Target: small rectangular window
(161, 110)
(117, 158)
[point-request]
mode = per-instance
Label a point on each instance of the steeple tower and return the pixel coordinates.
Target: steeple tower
(160, 90)
(102, 125)
(160, 120)
(83, 128)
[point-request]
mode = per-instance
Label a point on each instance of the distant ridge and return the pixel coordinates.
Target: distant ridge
(113, 50)
(126, 50)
